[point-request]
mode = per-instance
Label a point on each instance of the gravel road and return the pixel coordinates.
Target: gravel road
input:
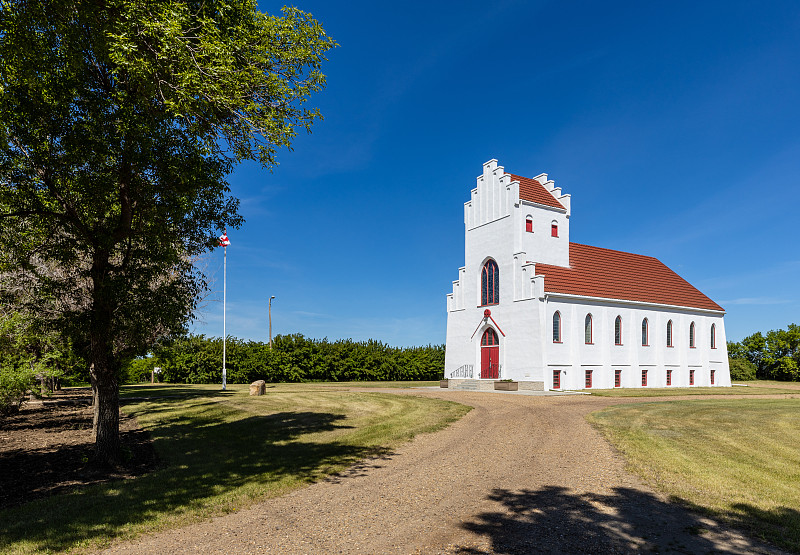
(518, 474)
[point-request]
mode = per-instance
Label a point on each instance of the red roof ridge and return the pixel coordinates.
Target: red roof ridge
(533, 191)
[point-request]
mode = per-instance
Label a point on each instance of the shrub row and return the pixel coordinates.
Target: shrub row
(293, 358)
(772, 356)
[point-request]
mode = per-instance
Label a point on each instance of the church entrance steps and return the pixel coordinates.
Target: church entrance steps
(488, 385)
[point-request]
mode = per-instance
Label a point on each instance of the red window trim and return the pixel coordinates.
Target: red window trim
(492, 336)
(669, 376)
(528, 225)
(490, 295)
(587, 379)
(644, 378)
(691, 377)
(617, 378)
(560, 328)
(553, 230)
(712, 376)
(556, 379)
(591, 330)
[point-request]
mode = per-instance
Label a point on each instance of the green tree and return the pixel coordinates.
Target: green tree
(119, 122)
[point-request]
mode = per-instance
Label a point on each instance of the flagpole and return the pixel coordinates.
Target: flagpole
(224, 303)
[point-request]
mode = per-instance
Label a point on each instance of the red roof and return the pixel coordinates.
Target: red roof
(608, 274)
(533, 191)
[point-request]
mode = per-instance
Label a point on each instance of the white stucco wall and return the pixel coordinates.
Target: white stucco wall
(573, 356)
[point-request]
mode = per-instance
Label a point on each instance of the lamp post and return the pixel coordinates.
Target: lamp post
(270, 321)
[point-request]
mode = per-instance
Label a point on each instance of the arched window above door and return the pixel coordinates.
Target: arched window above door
(489, 338)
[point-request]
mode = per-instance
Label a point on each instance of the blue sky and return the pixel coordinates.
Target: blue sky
(674, 126)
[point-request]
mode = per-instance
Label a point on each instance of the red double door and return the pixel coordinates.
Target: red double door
(490, 355)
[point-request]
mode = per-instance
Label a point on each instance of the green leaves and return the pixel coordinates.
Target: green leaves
(119, 123)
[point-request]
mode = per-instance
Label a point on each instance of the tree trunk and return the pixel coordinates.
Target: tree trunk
(105, 390)
(95, 401)
(103, 370)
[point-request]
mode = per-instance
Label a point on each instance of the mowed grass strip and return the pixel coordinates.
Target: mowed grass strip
(178, 390)
(737, 459)
(760, 387)
(222, 451)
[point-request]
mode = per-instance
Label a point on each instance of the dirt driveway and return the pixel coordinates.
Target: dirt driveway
(518, 474)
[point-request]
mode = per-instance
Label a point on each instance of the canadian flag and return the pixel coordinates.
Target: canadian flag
(223, 240)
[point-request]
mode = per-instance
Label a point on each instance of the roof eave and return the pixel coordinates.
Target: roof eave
(720, 312)
(539, 204)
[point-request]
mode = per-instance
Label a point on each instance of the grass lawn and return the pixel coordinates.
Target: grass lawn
(221, 451)
(756, 387)
(737, 459)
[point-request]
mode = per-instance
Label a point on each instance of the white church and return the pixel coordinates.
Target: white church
(531, 307)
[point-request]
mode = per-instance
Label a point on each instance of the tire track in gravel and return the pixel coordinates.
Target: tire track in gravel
(518, 474)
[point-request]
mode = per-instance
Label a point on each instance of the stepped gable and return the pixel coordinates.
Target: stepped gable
(533, 191)
(609, 274)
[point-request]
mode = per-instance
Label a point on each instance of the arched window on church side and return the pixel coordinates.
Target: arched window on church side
(644, 333)
(713, 336)
(669, 333)
(556, 327)
(490, 283)
(554, 229)
(587, 329)
(691, 335)
(618, 330)
(529, 224)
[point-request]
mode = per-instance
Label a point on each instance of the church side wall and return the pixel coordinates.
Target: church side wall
(573, 356)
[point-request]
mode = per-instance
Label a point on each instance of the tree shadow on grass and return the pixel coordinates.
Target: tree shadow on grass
(33, 473)
(780, 525)
(559, 520)
(203, 458)
(153, 392)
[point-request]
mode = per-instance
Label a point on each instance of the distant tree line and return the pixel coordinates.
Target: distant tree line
(293, 358)
(774, 356)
